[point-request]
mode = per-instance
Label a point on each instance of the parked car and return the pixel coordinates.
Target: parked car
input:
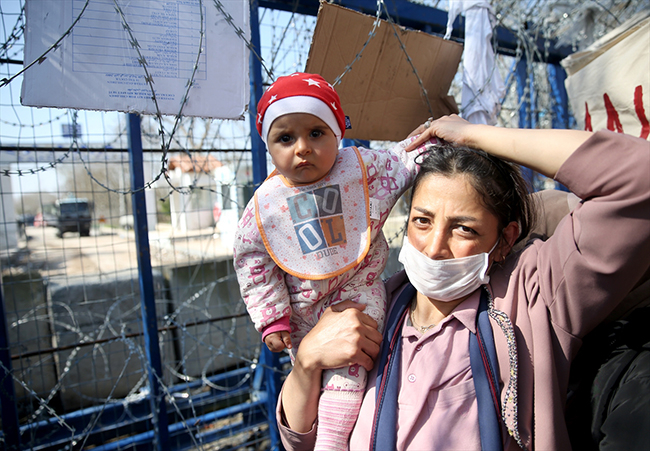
(73, 215)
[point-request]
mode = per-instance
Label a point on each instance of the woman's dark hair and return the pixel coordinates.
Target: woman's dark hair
(501, 188)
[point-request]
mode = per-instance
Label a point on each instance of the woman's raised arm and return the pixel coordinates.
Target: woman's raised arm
(342, 337)
(543, 150)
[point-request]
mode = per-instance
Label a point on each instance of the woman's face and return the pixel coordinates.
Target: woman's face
(447, 219)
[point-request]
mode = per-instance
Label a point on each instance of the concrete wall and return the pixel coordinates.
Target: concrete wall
(8, 224)
(94, 309)
(29, 332)
(203, 292)
(64, 312)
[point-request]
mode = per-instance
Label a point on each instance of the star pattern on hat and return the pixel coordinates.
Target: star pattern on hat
(312, 82)
(285, 87)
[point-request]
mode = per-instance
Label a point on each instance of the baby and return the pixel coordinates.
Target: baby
(311, 237)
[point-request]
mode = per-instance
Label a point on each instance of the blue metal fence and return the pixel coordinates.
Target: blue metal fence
(181, 414)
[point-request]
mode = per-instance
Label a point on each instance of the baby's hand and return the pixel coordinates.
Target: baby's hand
(277, 341)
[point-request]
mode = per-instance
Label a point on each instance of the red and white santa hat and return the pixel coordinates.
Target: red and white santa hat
(301, 93)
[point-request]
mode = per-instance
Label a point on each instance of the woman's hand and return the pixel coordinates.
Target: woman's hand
(343, 336)
(542, 150)
(452, 129)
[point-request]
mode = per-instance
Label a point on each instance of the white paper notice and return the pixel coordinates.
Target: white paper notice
(100, 65)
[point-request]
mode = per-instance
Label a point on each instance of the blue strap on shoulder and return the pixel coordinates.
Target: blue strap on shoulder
(482, 358)
(384, 429)
(484, 370)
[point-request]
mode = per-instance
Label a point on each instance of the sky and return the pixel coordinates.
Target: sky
(26, 126)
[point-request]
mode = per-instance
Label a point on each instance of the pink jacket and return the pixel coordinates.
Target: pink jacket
(272, 295)
(555, 292)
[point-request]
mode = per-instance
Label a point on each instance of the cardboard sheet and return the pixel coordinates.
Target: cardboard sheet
(97, 67)
(381, 93)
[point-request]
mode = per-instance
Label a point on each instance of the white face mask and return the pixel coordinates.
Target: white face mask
(445, 280)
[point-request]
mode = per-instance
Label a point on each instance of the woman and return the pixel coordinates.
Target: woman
(540, 300)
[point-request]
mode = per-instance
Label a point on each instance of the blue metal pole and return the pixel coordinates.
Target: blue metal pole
(345, 142)
(258, 148)
(147, 303)
(524, 98)
(268, 360)
(269, 367)
(557, 76)
(521, 73)
(532, 95)
(10, 422)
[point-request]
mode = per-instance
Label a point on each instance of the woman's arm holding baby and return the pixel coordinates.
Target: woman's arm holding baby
(343, 336)
(543, 150)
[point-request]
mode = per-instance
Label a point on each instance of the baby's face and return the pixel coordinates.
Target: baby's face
(303, 147)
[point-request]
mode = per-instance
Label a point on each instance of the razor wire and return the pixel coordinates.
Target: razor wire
(175, 320)
(524, 38)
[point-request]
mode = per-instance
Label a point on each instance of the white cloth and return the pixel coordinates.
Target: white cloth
(608, 83)
(483, 86)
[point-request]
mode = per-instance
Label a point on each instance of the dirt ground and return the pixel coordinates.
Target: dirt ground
(109, 250)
